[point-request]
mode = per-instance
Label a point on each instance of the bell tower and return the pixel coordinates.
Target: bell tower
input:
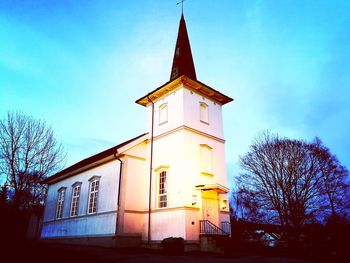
(186, 145)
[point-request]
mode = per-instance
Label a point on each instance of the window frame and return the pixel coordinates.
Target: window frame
(74, 206)
(204, 112)
(93, 181)
(163, 113)
(206, 159)
(162, 188)
(60, 202)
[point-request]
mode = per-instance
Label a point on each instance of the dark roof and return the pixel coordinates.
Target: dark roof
(183, 71)
(89, 160)
(183, 61)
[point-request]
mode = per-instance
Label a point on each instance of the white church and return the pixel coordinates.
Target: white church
(168, 182)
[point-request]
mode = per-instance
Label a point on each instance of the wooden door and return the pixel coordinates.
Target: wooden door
(210, 206)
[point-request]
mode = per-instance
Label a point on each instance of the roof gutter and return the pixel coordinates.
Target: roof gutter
(119, 191)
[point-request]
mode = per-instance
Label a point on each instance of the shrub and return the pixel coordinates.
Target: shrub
(173, 245)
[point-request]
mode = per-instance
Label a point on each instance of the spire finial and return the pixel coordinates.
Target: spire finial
(183, 61)
(182, 5)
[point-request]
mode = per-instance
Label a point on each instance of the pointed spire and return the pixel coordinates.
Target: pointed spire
(183, 61)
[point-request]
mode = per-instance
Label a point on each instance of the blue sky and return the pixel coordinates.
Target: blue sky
(80, 65)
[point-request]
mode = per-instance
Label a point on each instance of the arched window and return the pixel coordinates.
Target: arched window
(74, 208)
(93, 194)
(162, 189)
(163, 113)
(60, 202)
(206, 157)
(204, 112)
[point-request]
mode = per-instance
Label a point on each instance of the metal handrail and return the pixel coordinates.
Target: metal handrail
(207, 227)
(226, 226)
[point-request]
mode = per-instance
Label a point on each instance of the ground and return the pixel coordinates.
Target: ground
(50, 253)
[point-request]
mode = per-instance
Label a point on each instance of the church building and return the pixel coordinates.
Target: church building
(168, 182)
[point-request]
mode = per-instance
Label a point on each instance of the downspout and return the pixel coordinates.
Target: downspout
(44, 212)
(119, 190)
(150, 175)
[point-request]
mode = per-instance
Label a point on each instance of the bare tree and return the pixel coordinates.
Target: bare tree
(334, 179)
(246, 207)
(290, 181)
(28, 153)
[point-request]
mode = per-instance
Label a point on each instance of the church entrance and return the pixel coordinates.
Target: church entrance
(210, 206)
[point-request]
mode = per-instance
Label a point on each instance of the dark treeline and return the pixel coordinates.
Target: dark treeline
(299, 187)
(28, 154)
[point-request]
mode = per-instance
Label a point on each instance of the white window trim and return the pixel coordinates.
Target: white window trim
(159, 172)
(204, 114)
(163, 107)
(93, 180)
(60, 202)
(205, 170)
(77, 197)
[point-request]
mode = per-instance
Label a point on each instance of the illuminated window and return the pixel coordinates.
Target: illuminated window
(163, 113)
(204, 112)
(162, 190)
(60, 202)
(206, 156)
(75, 199)
(93, 194)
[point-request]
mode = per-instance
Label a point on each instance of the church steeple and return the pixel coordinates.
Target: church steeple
(183, 61)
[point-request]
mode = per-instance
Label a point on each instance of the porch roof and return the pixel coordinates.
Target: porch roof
(220, 188)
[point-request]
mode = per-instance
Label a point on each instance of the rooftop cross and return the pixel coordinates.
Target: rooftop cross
(182, 5)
